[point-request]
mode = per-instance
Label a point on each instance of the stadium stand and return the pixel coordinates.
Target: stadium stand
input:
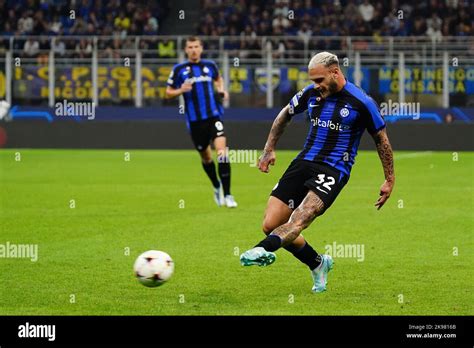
(371, 32)
(435, 18)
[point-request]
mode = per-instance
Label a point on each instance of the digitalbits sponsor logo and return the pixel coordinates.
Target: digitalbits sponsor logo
(329, 124)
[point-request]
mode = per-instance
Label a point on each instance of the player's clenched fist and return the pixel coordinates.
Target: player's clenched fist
(266, 159)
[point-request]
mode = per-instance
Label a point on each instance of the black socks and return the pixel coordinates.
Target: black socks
(210, 170)
(306, 254)
(224, 174)
(271, 243)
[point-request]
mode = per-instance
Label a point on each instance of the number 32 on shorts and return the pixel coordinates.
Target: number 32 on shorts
(324, 183)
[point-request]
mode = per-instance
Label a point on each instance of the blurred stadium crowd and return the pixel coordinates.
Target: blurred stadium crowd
(435, 18)
(89, 17)
(115, 18)
(247, 19)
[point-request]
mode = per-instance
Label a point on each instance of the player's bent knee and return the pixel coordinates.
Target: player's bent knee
(272, 222)
(267, 228)
(205, 157)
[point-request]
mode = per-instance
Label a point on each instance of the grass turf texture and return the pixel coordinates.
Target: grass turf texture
(136, 205)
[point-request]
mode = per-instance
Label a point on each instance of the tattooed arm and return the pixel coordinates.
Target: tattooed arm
(268, 156)
(384, 150)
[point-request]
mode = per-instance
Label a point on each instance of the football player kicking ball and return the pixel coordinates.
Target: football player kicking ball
(195, 79)
(339, 112)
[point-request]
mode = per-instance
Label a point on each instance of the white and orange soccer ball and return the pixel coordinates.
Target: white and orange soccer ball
(153, 268)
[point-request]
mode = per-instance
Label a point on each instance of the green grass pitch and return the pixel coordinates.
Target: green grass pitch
(418, 257)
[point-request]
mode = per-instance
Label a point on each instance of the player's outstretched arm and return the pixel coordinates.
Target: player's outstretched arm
(268, 156)
(385, 152)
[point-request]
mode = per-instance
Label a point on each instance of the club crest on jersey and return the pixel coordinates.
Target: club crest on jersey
(344, 112)
(205, 70)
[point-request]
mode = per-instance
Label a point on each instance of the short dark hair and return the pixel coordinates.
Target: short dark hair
(193, 38)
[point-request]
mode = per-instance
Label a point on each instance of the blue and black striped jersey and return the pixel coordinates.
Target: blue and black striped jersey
(337, 124)
(200, 102)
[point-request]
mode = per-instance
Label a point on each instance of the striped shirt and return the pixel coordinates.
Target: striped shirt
(200, 102)
(337, 124)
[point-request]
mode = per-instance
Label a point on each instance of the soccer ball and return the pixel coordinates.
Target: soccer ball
(153, 268)
(4, 109)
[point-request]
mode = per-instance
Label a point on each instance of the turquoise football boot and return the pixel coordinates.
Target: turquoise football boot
(257, 256)
(320, 273)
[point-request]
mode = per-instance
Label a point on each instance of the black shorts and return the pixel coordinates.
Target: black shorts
(205, 131)
(302, 176)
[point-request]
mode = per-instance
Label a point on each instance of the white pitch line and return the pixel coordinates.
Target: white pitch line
(413, 154)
